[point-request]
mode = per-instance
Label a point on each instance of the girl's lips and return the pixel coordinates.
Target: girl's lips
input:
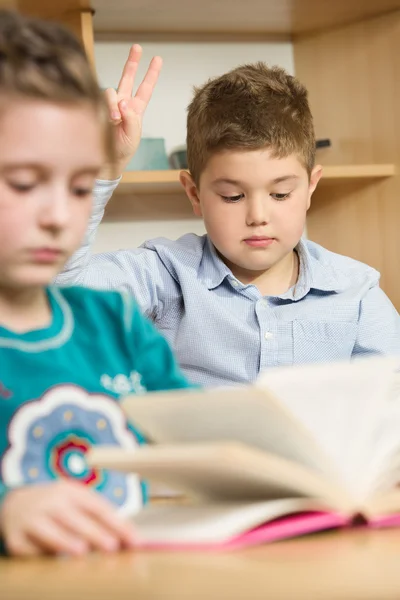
(45, 255)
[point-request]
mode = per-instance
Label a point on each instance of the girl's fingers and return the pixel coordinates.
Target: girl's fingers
(112, 102)
(53, 537)
(127, 82)
(95, 534)
(107, 517)
(146, 88)
(20, 545)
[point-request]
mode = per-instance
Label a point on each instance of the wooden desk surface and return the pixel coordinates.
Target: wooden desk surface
(350, 566)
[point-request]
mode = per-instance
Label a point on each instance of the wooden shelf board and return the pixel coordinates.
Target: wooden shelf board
(254, 16)
(150, 182)
(149, 195)
(177, 17)
(333, 173)
(48, 9)
(167, 182)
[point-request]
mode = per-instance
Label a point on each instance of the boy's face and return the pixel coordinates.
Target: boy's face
(50, 155)
(254, 207)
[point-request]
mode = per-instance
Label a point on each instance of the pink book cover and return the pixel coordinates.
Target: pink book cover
(280, 529)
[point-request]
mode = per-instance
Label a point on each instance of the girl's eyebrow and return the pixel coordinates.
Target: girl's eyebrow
(13, 166)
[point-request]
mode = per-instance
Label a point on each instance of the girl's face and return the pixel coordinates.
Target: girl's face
(50, 155)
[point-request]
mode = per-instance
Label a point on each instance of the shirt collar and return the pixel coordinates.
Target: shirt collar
(212, 270)
(314, 274)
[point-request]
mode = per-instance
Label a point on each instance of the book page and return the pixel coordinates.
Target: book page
(383, 504)
(219, 472)
(384, 452)
(211, 523)
(340, 405)
(244, 414)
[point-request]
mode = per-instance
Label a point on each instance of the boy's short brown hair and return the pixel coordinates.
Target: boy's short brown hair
(43, 60)
(250, 108)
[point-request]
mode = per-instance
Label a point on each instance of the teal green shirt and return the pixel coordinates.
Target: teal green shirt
(60, 386)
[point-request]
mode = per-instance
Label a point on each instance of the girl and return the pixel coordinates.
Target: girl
(66, 355)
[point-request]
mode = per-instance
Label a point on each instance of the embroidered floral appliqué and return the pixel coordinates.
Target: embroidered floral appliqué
(50, 437)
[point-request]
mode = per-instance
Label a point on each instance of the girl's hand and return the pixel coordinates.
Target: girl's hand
(63, 517)
(126, 111)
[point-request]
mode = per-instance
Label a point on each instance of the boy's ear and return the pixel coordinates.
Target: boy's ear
(191, 191)
(315, 176)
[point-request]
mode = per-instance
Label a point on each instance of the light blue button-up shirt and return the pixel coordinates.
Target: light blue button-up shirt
(224, 332)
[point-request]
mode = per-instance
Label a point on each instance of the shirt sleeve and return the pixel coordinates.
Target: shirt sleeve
(379, 325)
(152, 355)
(76, 269)
(139, 271)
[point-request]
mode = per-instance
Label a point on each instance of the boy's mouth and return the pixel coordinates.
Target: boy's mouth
(258, 241)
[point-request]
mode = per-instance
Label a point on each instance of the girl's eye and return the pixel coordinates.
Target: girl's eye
(82, 192)
(21, 187)
(280, 196)
(232, 198)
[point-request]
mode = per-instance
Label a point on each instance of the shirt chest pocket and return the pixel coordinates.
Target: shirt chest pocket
(322, 341)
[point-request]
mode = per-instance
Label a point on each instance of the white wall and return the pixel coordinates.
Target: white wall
(118, 236)
(185, 65)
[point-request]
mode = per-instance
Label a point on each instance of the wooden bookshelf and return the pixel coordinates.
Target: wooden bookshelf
(246, 20)
(147, 195)
(208, 20)
(351, 75)
(167, 182)
(346, 53)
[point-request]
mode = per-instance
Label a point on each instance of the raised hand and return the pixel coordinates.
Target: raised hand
(126, 111)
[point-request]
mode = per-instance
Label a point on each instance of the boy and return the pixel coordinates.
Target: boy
(66, 356)
(251, 294)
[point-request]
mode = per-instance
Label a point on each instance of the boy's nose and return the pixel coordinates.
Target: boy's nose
(257, 212)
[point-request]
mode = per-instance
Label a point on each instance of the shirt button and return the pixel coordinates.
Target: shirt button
(264, 302)
(235, 283)
(268, 335)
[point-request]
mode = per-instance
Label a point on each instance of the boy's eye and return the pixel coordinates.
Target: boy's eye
(280, 196)
(232, 198)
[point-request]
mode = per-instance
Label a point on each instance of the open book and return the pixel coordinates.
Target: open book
(304, 449)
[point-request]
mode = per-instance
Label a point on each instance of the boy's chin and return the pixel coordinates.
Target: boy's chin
(258, 263)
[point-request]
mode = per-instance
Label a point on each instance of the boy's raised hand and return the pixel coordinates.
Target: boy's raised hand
(63, 517)
(126, 111)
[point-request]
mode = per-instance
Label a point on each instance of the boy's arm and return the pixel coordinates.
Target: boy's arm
(138, 271)
(153, 358)
(379, 325)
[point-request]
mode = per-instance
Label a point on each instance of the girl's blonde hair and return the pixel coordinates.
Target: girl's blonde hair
(43, 60)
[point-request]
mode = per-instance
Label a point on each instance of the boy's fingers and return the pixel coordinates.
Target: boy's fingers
(127, 82)
(146, 88)
(112, 102)
(52, 537)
